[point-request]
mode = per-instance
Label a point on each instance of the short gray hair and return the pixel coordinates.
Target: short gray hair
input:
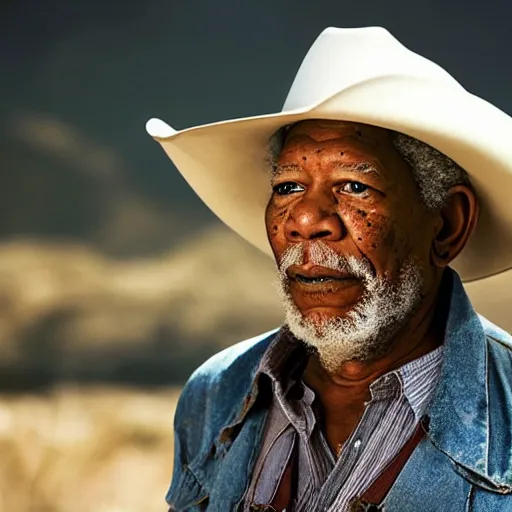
(434, 173)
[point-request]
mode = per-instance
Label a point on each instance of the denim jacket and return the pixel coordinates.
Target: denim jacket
(464, 463)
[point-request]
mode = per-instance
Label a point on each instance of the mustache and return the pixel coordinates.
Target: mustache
(322, 255)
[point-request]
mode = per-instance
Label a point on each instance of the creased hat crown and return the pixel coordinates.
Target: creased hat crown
(340, 58)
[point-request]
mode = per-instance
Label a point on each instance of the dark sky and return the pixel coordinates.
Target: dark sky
(104, 67)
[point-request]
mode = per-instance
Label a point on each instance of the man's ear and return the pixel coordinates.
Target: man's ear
(457, 220)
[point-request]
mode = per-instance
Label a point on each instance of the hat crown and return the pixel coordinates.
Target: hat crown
(340, 58)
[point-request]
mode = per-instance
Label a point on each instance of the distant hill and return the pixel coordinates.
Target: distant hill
(70, 313)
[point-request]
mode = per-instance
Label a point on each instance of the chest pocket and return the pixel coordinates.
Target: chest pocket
(186, 494)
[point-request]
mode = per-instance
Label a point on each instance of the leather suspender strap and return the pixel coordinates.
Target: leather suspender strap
(376, 493)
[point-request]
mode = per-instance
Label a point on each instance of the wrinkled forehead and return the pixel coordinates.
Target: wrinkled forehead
(332, 135)
(337, 144)
(326, 129)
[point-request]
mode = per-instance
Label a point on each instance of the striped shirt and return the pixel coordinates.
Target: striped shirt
(326, 483)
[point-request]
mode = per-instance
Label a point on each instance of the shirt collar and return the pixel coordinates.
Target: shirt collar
(419, 379)
(284, 362)
(286, 358)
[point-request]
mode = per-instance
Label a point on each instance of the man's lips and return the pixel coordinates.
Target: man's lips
(314, 274)
(313, 286)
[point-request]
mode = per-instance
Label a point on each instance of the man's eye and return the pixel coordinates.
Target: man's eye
(354, 187)
(284, 189)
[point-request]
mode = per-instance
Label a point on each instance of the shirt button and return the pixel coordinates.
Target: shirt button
(357, 444)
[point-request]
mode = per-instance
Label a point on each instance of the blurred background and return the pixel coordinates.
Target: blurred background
(115, 281)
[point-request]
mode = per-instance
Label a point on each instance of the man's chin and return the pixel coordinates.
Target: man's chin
(336, 338)
(322, 315)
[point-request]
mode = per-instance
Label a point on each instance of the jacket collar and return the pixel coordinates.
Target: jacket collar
(459, 415)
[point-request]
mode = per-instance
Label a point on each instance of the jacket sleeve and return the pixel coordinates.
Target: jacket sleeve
(185, 493)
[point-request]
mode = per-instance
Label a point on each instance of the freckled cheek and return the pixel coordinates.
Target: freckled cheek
(274, 221)
(368, 228)
(379, 237)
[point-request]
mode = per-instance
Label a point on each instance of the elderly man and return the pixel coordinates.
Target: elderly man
(384, 390)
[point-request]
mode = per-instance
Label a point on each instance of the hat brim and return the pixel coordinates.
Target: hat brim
(491, 298)
(226, 162)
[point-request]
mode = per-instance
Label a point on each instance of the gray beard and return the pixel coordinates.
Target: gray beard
(368, 329)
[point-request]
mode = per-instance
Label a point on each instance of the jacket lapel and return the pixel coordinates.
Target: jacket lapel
(459, 416)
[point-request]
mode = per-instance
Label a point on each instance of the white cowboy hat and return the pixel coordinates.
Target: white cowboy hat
(364, 75)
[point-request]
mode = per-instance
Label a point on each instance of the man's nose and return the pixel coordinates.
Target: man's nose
(310, 220)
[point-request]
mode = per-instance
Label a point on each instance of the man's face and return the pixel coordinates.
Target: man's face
(347, 227)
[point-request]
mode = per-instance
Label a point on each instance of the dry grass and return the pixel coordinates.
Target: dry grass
(86, 449)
